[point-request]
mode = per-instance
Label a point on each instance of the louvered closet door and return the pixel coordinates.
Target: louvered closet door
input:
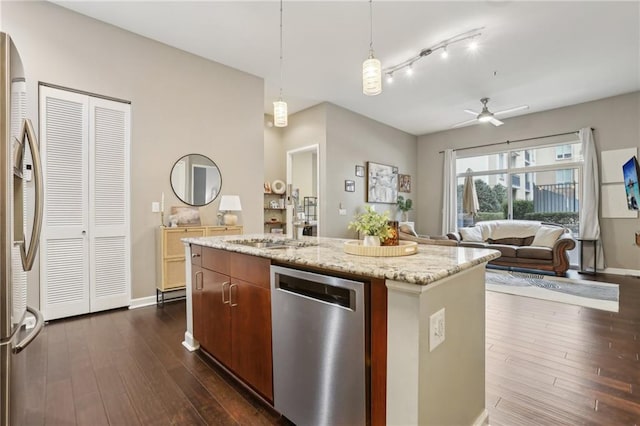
(109, 135)
(64, 266)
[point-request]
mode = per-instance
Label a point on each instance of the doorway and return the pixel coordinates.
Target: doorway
(303, 177)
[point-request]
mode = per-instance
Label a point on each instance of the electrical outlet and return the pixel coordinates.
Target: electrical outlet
(342, 212)
(155, 207)
(436, 329)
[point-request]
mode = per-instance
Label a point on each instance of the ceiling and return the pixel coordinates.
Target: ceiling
(542, 54)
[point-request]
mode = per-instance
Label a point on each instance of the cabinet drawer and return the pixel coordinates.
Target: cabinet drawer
(174, 273)
(223, 230)
(196, 255)
(216, 260)
(173, 246)
(253, 269)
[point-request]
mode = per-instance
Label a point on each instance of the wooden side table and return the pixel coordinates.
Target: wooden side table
(592, 244)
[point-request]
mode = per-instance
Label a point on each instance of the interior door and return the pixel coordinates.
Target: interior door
(109, 252)
(64, 263)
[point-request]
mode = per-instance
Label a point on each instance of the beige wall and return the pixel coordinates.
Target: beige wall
(616, 126)
(180, 104)
(353, 139)
(275, 165)
(347, 139)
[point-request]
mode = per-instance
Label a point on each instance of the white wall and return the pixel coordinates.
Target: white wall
(181, 104)
(617, 125)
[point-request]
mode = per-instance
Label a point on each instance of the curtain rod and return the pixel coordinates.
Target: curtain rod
(517, 140)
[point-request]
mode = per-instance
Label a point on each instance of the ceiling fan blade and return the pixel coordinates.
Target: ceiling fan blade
(468, 111)
(514, 109)
(496, 122)
(465, 123)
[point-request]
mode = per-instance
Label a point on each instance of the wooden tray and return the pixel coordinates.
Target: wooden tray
(405, 248)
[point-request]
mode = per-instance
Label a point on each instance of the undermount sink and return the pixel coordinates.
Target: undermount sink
(273, 244)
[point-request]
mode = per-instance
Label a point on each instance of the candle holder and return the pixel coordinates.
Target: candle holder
(161, 218)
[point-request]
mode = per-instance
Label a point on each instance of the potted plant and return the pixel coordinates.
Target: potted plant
(374, 226)
(404, 206)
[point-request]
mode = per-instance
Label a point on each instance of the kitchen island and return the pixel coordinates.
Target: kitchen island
(411, 378)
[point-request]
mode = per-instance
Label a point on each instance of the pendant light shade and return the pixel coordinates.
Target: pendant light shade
(371, 76)
(280, 113)
(371, 68)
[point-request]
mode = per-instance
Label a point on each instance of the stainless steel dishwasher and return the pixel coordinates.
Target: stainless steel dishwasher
(319, 373)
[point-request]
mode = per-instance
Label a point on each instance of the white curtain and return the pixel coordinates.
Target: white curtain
(590, 200)
(449, 193)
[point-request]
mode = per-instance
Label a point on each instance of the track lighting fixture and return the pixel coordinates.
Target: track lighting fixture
(471, 35)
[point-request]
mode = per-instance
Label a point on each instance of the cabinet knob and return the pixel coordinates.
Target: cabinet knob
(195, 254)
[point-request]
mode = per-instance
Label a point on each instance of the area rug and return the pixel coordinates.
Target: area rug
(590, 294)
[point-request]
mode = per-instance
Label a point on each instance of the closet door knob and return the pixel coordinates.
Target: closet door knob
(84, 232)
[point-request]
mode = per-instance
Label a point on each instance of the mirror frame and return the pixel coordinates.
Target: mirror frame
(174, 190)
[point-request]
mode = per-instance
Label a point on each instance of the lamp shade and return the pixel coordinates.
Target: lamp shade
(371, 76)
(280, 113)
(230, 203)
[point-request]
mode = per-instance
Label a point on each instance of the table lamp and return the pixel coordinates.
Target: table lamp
(230, 203)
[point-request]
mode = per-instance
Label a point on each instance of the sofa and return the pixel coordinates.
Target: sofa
(407, 233)
(522, 243)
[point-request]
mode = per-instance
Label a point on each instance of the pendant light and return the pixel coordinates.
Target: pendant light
(280, 106)
(371, 68)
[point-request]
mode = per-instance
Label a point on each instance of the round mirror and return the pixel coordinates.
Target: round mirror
(196, 180)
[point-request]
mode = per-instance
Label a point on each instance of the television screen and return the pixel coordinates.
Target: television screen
(631, 170)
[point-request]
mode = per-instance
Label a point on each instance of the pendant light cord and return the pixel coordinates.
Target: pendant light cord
(280, 49)
(370, 26)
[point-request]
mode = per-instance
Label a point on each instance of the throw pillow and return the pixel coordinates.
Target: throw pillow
(473, 233)
(408, 229)
(547, 236)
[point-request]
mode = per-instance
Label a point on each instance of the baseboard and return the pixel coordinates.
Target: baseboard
(621, 271)
(141, 302)
(482, 419)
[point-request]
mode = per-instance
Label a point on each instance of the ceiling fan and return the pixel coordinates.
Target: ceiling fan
(487, 116)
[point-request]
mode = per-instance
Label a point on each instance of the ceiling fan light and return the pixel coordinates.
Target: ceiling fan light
(371, 76)
(390, 77)
(280, 118)
(444, 53)
(484, 117)
(473, 45)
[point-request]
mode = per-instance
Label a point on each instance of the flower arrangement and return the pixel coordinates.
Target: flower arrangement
(372, 223)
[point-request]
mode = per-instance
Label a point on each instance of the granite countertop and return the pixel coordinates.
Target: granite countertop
(430, 264)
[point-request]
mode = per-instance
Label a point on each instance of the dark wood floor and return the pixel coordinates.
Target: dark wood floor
(547, 364)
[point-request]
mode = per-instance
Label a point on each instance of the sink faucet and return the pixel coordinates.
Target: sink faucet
(296, 226)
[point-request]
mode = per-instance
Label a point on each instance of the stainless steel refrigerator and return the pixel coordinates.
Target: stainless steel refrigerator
(19, 164)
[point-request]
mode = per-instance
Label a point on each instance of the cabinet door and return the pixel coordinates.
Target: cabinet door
(251, 331)
(216, 316)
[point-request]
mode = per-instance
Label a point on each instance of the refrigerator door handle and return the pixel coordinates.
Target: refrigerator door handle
(30, 135)
(34, 333)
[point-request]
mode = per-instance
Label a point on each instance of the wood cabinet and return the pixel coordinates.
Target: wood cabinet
(170, 269)
(231, 304)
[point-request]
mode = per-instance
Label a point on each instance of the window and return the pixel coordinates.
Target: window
(511, 185)
(564, 176)
(563, 152)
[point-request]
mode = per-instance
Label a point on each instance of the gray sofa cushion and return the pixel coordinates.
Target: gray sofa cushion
(507, 251)
(507, 241)
(542, 253)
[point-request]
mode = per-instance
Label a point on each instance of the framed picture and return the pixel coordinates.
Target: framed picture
(350, 185)
(382, 183)
(185, 216)
(360, 171)
(404, 183)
